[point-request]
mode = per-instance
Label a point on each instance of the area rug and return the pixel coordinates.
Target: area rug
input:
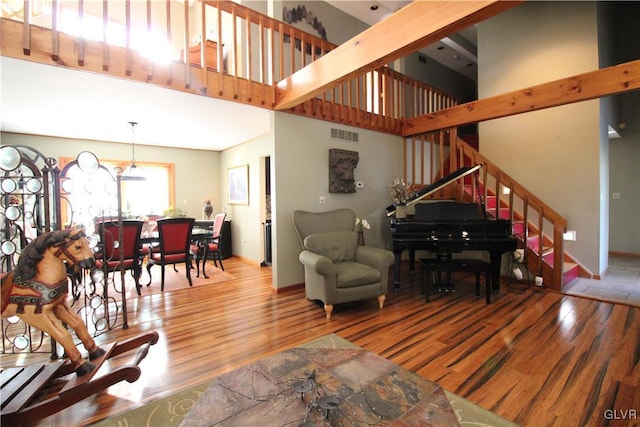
(172, 410)
(173, 281)
(177, 280)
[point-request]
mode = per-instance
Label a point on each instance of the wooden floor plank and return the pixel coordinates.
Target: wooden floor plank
(539, 359)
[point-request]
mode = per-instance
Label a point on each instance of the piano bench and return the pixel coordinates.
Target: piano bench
(428, 266)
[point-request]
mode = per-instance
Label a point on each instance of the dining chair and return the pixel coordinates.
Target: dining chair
(201, 249)
(174, 236)
(109, 255)
(213, 246)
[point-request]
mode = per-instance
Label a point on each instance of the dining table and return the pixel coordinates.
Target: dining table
(199, 236)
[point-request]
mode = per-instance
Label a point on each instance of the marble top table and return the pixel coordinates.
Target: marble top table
(322, 387)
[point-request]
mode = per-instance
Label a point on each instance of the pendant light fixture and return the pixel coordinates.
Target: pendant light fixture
(133, 172)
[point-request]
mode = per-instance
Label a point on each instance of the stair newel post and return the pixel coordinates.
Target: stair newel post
(558, 252)
(540, 240)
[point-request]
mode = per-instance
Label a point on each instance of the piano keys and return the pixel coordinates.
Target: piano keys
(445, 227)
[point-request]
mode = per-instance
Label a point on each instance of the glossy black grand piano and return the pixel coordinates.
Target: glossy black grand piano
(445, 227)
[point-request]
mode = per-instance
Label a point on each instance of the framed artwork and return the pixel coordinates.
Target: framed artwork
(238, 182)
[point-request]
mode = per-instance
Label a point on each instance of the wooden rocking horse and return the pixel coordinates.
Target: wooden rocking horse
(36, 291)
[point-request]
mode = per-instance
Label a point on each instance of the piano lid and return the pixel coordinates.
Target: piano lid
(433, 187)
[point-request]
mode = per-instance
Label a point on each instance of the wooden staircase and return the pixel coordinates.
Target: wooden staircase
(538, 228)
(539, 247)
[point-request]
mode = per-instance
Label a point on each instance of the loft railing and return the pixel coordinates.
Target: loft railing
(244, 53)
(540, 229)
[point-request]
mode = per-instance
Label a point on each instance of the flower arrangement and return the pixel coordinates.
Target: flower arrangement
(173, 212)
(400, 191)
(362, 224)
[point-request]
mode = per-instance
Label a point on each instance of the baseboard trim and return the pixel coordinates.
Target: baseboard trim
(625, 254)
(289, 288)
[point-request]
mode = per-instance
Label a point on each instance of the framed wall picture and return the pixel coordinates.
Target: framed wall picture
(238, 182)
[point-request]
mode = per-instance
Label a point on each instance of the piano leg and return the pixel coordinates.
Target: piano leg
(496, 260)
(396, 270)
(396, 266)
(412, 260)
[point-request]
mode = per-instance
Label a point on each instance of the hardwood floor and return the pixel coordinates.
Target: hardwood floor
(538, 359)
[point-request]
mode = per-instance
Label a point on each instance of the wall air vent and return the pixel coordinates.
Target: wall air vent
(344, 134)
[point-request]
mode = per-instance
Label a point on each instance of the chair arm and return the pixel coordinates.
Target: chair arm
(377, 258)
(318, 263)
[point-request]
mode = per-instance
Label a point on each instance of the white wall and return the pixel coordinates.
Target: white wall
(246, 220)
(301, 165)
(624, 161)
(554, 152)
(624, 153)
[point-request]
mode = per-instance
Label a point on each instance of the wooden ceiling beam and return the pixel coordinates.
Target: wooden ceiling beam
(414, 26)
(595, 84)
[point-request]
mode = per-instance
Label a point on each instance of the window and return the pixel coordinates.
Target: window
(86, 197)
(151, 44)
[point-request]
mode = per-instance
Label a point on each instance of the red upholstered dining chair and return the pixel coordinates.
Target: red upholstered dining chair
(109, 255)
(174, 235)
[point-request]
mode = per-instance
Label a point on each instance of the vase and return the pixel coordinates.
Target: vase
(401, 211)
(361, 237)
(207, 211)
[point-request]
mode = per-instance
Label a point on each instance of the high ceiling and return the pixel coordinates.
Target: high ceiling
(457, 52)
(48, 100)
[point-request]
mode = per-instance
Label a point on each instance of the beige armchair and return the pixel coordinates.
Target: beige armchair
(336, 268)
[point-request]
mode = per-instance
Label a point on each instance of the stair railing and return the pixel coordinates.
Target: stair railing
(539, 228)
(515, 202)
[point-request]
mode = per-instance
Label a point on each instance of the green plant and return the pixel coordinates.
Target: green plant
(173, 212)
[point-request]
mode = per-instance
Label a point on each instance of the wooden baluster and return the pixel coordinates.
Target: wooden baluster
(128, 59)
(250, 56)
(349, 102)
(292, 51)
(234, 25)
(497, 193)
(150, 60)
(185, 47)
(26, 28)
(80, 38)
(540, 239)
(105, 43)
(203, 48)
(169, 38)
(558, 256)
(281, 61)
(55, 36)
(442, 155)
(219, 51)
(263, 63)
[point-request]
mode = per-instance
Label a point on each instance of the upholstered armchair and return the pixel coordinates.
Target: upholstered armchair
(336, 269)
